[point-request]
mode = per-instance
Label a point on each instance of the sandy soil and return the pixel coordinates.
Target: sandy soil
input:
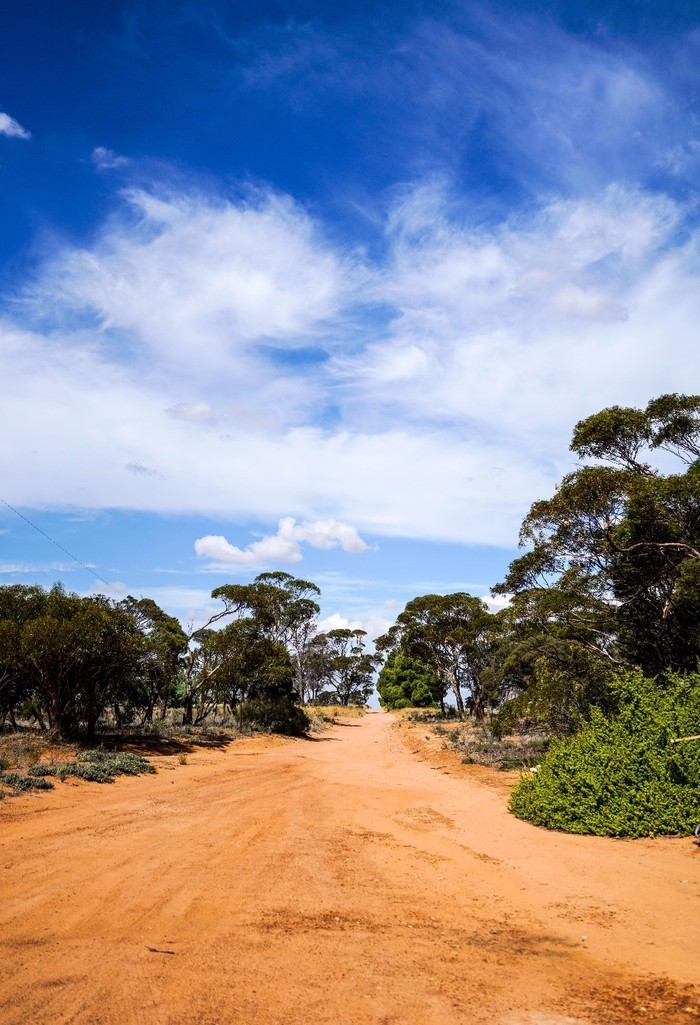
(352, 878)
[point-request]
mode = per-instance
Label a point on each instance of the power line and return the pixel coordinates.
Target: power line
(64, 550)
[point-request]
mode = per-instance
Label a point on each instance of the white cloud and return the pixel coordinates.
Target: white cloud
(373, 623)
(515, 332)
(198, 280)
(12, 129)
(31, 568)
(107, 159)
(192, 412)
(587, 303)
(450, 412)
(284, 546)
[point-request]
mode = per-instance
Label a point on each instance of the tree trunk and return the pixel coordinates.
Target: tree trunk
(458, 697)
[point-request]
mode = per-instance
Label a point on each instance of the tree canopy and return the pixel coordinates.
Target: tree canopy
(405, 682)
(612, 575)
(453, 634)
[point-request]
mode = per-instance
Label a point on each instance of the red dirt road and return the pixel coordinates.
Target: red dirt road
(342, 879)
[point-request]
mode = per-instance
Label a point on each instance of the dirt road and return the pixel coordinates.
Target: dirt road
(341, 879)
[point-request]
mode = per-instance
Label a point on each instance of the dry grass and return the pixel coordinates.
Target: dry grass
(24, 747)
(478, 746)
(337, 712)
(323, 716)
(476, 743)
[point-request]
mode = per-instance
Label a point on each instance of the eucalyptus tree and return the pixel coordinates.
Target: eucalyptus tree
(615, 551)
(164, 646)
(274, 613)
(405, 682)
(284, 609)
(67, 656)
(454, 634)
(345, 669)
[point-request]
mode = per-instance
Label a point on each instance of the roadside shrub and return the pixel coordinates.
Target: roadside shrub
(433, 714)
(17, 782)
(120, 763)
(620, 775)
(95, 767)
(274, 716)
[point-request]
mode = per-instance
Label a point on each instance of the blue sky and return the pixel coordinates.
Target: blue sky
(323, 287)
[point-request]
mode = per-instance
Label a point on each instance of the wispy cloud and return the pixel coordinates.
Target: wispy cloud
(192, 412)
(107, 160)
(30, 568)
(12, 129)
(508, 100)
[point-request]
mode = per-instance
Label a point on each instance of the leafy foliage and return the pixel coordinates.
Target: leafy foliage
(343, 666)
(620, 775)
(67, 660)
(96, 767)
(276, 715)
(262, 652)
(454, 634)
(23, 783)
(612, 576)
(404, 682)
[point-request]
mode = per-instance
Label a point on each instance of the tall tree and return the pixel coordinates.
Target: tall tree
(404, 682)
(615, 552)
(275, 612)
(345, 668)
(163, 650)
(454, 634)
(284, 609)
(70, 654)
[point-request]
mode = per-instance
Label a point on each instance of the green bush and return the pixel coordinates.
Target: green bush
(17, 782)
(120, 763)
(279, 715)
(620, 775)
(96, 767)
(404, 682)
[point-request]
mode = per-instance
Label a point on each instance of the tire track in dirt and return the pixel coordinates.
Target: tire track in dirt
(332, 880)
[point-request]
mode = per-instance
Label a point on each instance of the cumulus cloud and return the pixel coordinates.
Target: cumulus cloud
(285, 545)
(107, 160)
(12, 129)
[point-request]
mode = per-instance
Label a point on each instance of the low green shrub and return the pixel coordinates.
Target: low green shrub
(274, 716)
(620, 775)
(96, 767)
(120, 763)
(17, 782)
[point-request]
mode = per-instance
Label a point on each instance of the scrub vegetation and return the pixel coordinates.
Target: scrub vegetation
(597, 649)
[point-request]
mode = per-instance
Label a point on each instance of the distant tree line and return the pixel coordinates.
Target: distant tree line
(68, 661)
(609, 582)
